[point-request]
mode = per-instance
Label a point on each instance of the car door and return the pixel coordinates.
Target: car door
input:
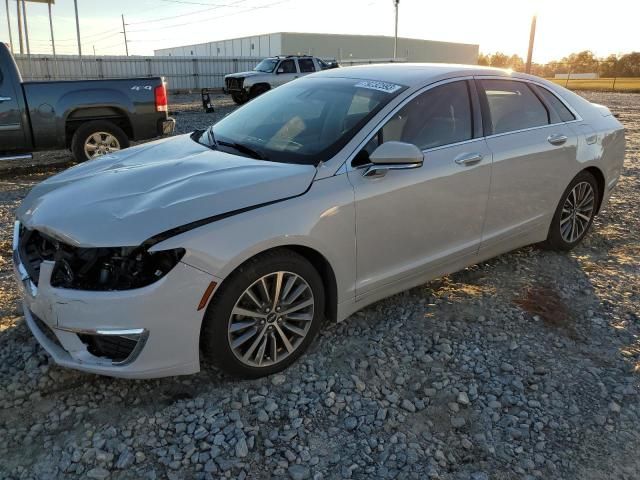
(534, 155)
(11, 130)
(287, 70)
(410, 223)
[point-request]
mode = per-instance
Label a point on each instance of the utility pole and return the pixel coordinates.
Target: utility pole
(395, 40)
(26, 29)
(532, 37)
(124, 30)
(53, 42)
(19, 26)
(94, 50)
(75, 4)
(9, 25)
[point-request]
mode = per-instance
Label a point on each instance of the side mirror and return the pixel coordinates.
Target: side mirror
(280, 70)
(394, 153)
(393, 156)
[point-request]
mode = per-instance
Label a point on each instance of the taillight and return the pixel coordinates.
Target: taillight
(161, 98)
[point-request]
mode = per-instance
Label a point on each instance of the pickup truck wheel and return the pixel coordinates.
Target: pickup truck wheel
(240, 97)
(258, 90)
(97, 138)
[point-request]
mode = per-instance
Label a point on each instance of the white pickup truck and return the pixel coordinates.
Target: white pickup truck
(270, 73)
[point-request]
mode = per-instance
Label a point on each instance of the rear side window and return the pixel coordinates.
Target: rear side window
(564, 114)
(437, 117)
(306, 65)
(513, 106)
(287, 66)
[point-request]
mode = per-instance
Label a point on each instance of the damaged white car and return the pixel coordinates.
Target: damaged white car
(310, 202)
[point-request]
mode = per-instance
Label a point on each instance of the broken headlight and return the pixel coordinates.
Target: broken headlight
(118, 268)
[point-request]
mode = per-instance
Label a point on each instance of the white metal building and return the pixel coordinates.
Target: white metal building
(340, 47)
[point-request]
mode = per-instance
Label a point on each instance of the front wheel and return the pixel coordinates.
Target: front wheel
(240, 98)
(97, 138)
(265, 315)
(575, 213)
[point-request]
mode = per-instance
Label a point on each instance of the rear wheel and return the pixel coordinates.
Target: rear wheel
(264, 316)
(575, 213)
(97, 138)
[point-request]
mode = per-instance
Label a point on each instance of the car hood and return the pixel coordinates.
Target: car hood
(251, 73)
(126, 198)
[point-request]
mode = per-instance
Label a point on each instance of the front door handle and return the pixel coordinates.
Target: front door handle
(4, 99)
(468, 159)
(557, 139)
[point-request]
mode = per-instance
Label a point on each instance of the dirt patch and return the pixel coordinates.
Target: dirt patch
(547, 304)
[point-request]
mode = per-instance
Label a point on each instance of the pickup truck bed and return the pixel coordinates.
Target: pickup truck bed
(91, 117)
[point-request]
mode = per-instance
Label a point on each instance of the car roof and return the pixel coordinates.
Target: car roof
(415, 74)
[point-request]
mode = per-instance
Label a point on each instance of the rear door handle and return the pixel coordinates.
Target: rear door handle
(4, 99)
(468, 159)
(557, 139)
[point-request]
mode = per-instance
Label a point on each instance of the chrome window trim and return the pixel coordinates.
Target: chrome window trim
(400, 105)
(522, 130)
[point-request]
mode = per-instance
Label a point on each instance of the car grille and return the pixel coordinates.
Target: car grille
(33, 249)
(116, 348)
(234, 83)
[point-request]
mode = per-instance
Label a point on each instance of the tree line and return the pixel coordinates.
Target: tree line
(627, 65)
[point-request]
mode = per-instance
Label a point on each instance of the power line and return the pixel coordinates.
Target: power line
(212, 18)
(186, 2)
(189, 13)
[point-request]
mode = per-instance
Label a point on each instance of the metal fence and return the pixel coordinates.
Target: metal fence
(181, 73)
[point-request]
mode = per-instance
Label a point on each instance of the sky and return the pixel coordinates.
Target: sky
(564, 26)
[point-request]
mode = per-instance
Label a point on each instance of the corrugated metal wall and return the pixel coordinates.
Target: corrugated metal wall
(181, 73)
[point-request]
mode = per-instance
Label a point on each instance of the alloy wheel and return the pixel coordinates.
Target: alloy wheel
(271, 319)
(577, 212)
(100, 143)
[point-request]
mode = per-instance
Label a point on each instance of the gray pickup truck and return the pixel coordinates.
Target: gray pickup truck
(90, 117)
(271, 73)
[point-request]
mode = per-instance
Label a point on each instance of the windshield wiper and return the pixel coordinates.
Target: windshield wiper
(243, 148)
(212, 138)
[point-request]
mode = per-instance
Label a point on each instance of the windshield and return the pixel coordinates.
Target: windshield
(305, 122)
(267, 65)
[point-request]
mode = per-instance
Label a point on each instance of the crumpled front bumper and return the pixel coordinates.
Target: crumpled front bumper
(163, 318)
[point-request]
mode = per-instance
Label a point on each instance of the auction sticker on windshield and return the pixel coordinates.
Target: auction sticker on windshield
(380, 86)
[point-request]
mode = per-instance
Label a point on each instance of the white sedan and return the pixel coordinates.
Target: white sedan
(310, 202)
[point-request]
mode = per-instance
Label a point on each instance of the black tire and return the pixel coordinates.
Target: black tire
(214, 337)
(555, 240)
(259, 90)
(240, 98)
(88, 129)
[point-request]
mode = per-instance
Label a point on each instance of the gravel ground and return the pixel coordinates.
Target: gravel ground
(524, 366)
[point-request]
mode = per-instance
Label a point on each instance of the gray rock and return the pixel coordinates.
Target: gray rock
(463, 398)
(242, 449)
(408, 405)
(98, 473)
(299, 472)
(350, 423)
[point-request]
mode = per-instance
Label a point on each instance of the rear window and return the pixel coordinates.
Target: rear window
(563, 113)
(513, 106)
